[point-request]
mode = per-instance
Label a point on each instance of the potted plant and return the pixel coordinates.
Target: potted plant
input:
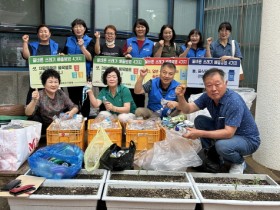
(98, 175)
(232, 179)
(215, 197)
(131, 196)
(54, 195)
(167, 177)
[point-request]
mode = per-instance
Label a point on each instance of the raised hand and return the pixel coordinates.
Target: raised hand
(161, 42)
(97, 34)
(35, 95)
(180, 90)
(189, 44)
(209, 40)
(80, 42)
(143, 72)
(25, 38)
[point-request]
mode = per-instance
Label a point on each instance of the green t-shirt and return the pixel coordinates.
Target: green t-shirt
(122, 96)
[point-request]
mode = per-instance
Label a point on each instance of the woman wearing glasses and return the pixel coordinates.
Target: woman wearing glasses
(109, 48)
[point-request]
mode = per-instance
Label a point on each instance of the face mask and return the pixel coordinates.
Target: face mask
(110, 43)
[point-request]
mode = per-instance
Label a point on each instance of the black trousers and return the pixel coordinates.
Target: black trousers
(139, 99)
(76, 96)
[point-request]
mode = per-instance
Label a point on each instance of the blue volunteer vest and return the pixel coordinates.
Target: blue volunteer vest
(145, 51)
(73, 48)
(155, 95)
(200, 52)
(53, 46)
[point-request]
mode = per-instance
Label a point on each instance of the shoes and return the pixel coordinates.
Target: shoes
(237, 168)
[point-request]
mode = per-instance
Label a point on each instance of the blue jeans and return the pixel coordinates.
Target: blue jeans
(231, 150)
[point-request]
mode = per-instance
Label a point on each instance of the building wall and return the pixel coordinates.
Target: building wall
(14, 86)
(268, 99)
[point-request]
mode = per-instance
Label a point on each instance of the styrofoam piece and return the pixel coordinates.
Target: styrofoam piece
(146, 172)
(101, 172)
(193, 175)
(212, 204)
(58, 202)
(133, 203)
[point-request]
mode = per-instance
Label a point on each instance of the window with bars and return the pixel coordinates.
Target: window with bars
(245, 18)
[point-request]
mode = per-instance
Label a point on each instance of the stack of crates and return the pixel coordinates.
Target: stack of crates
(67, 136)
(115, 134)
(143, 139)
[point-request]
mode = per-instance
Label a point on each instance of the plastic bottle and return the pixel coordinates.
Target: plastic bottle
(180, 130)
(178, 118)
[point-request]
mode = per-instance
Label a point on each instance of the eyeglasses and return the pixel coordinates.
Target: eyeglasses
(111, 77)
(110, 34)
(78, 26)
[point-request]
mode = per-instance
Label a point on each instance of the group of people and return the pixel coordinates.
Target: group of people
(237, 137)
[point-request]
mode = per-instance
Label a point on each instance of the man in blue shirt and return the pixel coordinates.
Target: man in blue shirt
(231, 126)
(158, 89)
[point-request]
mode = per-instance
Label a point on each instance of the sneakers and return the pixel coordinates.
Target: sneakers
(237, 168)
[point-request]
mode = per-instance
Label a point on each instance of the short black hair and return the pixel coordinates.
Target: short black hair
(78, 21)
(213, 71)
(41, 26)
(108, 71)
(225, 25)
(142, 22)
(169, 65)
(200, 42)
(49, 73)
(160, 36)
(111, 27)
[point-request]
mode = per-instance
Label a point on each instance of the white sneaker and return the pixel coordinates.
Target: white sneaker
(237, 168)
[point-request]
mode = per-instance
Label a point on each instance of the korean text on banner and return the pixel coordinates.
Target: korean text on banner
(153, 65)
(198, 66)
(129, 69)
(72, 69)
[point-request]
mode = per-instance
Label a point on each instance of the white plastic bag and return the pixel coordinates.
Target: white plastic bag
(175, 153)
(16, 144)
(247, 94)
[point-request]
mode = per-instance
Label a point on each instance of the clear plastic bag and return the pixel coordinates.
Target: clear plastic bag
(99, 144)
(175, 153)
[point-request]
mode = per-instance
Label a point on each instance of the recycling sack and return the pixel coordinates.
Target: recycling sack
(18, 140)
(96, 148)
(57, 161)
(117, 159)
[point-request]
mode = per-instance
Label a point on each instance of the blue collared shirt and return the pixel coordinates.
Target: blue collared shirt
(233, 109)
(218, 50)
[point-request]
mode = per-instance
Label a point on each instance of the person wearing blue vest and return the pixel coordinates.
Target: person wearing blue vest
(193, 47)
(162, 98)
(80, 43)
(139, 47)
(44, 46)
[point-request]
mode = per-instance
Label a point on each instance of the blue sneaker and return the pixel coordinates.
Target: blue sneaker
(237, 168)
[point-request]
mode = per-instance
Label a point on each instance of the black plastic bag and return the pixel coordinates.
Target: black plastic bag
(117, 159)
(210, 160)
